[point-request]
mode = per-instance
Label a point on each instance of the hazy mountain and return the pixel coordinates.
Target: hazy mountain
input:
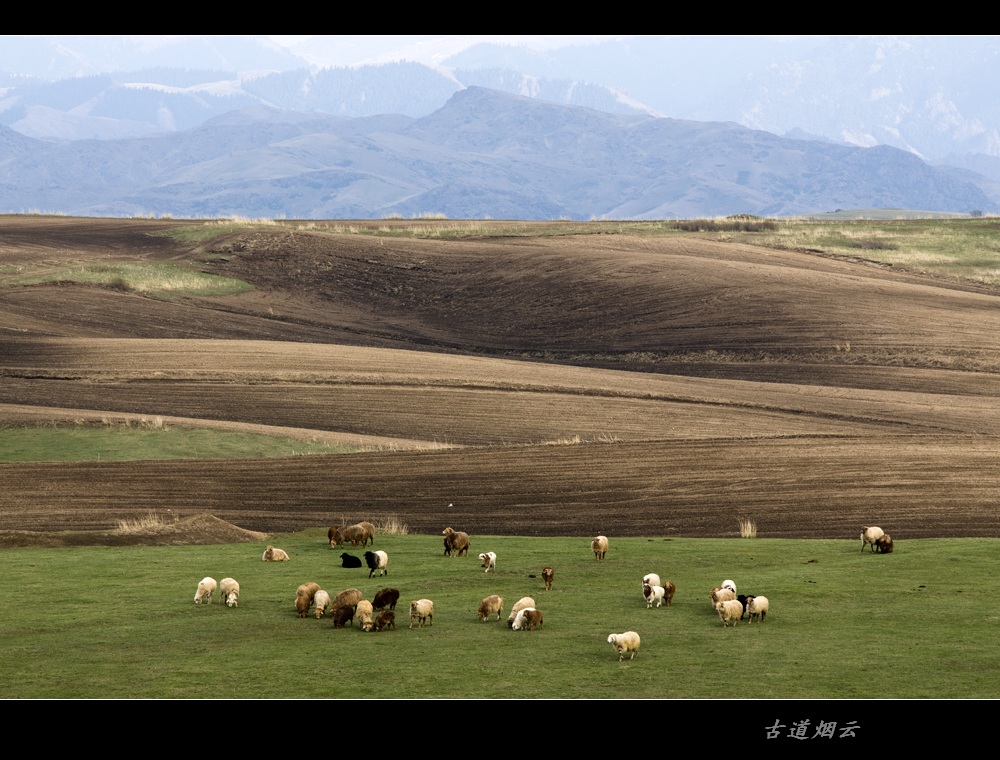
(483, 154)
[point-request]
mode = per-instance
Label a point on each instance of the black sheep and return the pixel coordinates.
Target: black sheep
(349, 560)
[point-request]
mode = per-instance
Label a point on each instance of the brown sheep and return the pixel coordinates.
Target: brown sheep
(349, 597)
(385, 619)
(547, 575)
(456, 542)
(334, 535)
(668, 592)
(353, 533)
(532, 619)
(599, 546)
(369, 533)
(304, 598)
(883, 544)
(386, 598)
(490, 606)
(342, 614)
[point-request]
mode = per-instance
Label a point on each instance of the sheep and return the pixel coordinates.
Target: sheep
(364, 612)
(304, 596)
(491, 605)
(342, 614)
(870, 536)
(206, 587)
(456, 542)
(369, 533)
(385, 619)
(322, 602)
(422, 610)
(599, 546)
(730, 585)
(377, 561)
(229, 590)
(653, 594)
(729, 610)
(547, 575)
(719, 594)
(651, 579)
(489, 560)
(274, 555)
(349, 560)
(528, 619)
(522, 603)
(625, 642)
(386, 598)
(669, 589)
(883, 544)
(757, 608)
(353, 533)
(334, 535)
(349, 597)
(744, 599)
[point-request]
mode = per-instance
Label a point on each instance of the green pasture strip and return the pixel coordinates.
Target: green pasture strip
(121, 622)
(159, 279)
(83, 443)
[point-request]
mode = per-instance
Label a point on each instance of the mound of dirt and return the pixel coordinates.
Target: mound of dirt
(199, 529)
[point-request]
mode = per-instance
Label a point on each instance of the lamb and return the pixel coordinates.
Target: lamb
(870, 536)
(342, 615)
(456, 542)
(653, 594)
(274, 555)
(668, 593)
(651, 579)
(322, 602)
(883, 544)
(719, 594)
(489, 560)
(349, 560)
(522, 603)
(729, 611)
(757, 608)
(547, 575)
(364, 612)
(304, 596)
(377, 561)
(206, 587)
(528, 619)
(385, 619)
(625, 642)
(599, 546)
(491, 605)
(386, 598)
(422, 610)
(229, 590)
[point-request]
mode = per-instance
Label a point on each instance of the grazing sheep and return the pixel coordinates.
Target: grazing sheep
(422, 610)
(322, 602)
(349, 560)
(870, 536)
(274, 555)
(353, 533)
(304, 596)
(528, 619)
(386, 598)
(523, 603)
(491, 605)
(651, 579)
(377, 561)
(349, 597)
(456, 542)
(730, 585)
(369, 533)
(229, 591)
(744, 599)
(206, 587)
(599, 546)
(719, 594)
(547, 575)
(730, 610)
(342, 615)
(653, 594)
(364, 612)
(489, 560)
(625, 642)
(757, 608)
(385, 619)
(883, 544)
(334, 535)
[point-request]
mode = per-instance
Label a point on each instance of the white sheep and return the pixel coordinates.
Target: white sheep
(274, 555)
(229, 590)
(651, 579)
(489, 560)
(364, 613)
(870, 536)
(523, 603)
(625, 642)
(205, 590)
(730, 585)
(757, 607)
(322, 601)
(491, 605)
(729, 611)
(528, 619)
(421, 610)
(653, 594)
(719, 594)
(599, 546)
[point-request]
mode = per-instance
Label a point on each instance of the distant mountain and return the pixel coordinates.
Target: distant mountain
(484, 154)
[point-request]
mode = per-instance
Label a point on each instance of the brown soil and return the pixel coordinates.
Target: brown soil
(538, 385)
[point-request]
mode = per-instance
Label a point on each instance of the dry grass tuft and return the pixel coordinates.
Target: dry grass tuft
(748, 528)
(150, 521)
(390, 525)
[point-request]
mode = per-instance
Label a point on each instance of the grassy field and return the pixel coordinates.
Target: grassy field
(121, 622)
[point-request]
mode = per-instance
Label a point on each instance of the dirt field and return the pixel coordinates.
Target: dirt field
(543, 385)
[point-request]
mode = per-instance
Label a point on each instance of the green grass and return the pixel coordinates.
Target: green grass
(78, 443)
(121, 622)
(158, 279)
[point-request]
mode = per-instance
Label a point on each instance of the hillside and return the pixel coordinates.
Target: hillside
(583, 383)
